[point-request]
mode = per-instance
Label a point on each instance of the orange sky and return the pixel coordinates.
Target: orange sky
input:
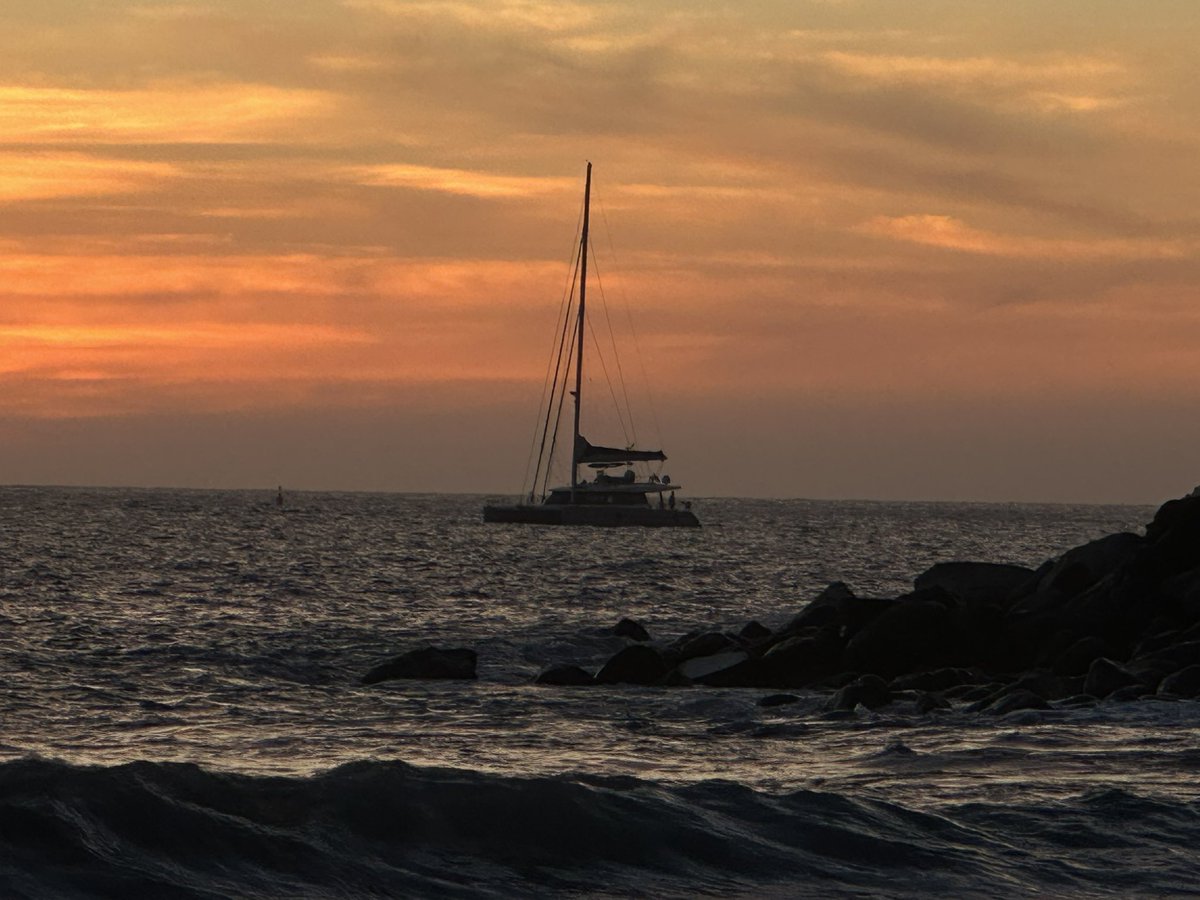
(894, 250)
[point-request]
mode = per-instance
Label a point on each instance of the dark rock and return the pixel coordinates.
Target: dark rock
(698, 668)
(973, 692)
(635, 664)
(628, 628)
(706, 644)
(1126, 694)
(799, 660)
(566, 676)
(929, 701)
(1015, 700)
(1173, 657)
(870, 691)
(1173, 538)
(427, 662)
(822, 609)
(1047, 685)
(915, 633)
(1077, 701)
(976, 582)
(1105, 676)
(778, 700)
(753, 632)
(1078, 657)
(1184, 590)
(1149, 672)
(936, 680)
(855, 613)
(1080, 568)
(1184, 683)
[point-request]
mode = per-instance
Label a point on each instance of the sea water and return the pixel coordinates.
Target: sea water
(182, 714)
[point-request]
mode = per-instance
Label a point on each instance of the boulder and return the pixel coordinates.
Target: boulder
(1184, 683)
(1015, 700)
(976, 582)
(915, 633)
(628, 628)
(1048, 685)
(935, 680)
(635, 664)
(565, 676)
(1173, 538)
(1078, 657)
(734, 668)
(698, 668)
(1105, 676)
(1080, 568)
(706, 644)
(870, 691)
(753, 632)
(931, 701)
(799, 660)
(822, 609)
(427, 662)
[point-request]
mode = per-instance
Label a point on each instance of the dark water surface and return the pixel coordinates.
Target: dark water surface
(181, 713)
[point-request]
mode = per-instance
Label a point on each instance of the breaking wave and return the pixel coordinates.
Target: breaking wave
(375, 829)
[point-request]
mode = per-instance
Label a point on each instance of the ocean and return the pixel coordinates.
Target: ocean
(182, 714)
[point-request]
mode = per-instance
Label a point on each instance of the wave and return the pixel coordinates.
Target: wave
(378, 829)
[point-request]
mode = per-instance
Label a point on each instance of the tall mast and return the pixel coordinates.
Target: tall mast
(583, 255)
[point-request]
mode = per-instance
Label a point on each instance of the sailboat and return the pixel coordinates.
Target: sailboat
(607, 499)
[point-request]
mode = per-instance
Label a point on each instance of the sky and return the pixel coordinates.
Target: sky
(860, 248)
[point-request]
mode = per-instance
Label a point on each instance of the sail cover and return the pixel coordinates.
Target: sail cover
(587, 453)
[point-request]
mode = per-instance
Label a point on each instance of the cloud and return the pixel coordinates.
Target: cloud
(951, 234)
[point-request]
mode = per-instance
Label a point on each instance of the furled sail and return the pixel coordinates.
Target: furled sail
(588, 454)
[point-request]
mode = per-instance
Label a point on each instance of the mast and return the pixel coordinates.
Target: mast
(583, 255)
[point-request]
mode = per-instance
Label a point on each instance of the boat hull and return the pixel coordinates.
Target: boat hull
(583, 514)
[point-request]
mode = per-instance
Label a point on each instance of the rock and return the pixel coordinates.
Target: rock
(1047, 685)
(1105, 676)
(565, 676)
(870, 691)
(1172, 657)
(706, 644)
(628, 628)
(1184, 683)
(935, 680)
(1080, 568)
(1078, 657)
(1127, 693)
(1015, 700)
(427, 662)
(929, 701)
(698, 668)
(976, 582)
(753, 632)
(1173, 538)
(635, 664)
(799, 660)
(822, 609)
(915, 633)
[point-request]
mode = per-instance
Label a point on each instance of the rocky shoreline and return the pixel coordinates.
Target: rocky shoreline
(1112, 620)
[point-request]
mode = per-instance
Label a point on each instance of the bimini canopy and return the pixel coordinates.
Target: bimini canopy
(586, 453)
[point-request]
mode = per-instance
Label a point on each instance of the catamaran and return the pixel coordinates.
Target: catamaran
(607, 499)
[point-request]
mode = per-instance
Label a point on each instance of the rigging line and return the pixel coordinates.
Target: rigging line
(611, 391)
(612, 339)
(543, 404)
(555, 386)
(564, 311)
(557, 418)
(637, 344)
